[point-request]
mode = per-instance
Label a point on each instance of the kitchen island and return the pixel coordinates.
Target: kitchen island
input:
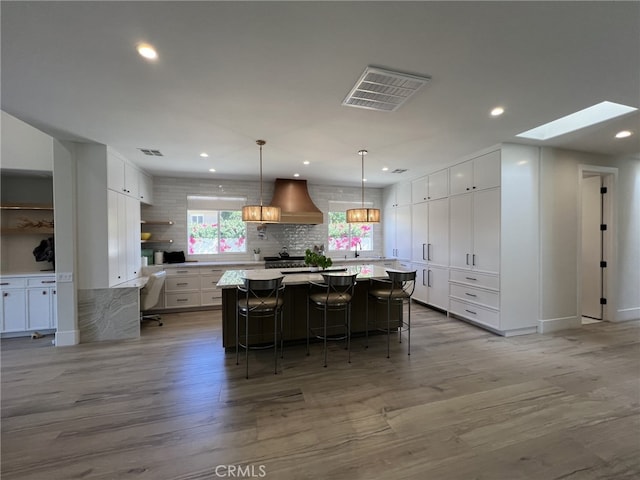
(296, 283)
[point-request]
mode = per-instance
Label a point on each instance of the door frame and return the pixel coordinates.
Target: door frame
(609, 176)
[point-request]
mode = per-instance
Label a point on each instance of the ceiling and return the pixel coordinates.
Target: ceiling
(229, 73)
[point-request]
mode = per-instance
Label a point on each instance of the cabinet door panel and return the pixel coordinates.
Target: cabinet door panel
(438, 244)
(113, 240)
(419, 231)
(439, 184)
(14, 313)
(39, 308)
(486, 171)
(421, 291)
(460, 178)
(438, 287)
(460, 231)
(132, 235)
(115, 173)
(420, 190)
(486, 231)
(403, 231)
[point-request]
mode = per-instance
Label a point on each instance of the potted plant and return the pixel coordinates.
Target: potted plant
(256, 254)
(316, 260)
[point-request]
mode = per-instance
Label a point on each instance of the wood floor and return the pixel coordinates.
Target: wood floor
(465, 405)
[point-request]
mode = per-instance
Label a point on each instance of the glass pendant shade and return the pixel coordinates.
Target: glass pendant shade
(260, 213)
(362, 214)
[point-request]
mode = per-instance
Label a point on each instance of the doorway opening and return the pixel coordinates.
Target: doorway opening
(596, 256)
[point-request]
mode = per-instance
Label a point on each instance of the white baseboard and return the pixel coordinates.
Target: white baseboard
(627, 314)
(68, 338)
(556, 324)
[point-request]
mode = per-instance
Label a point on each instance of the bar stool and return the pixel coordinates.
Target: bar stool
(259, 299)
(333, 295)
(393, 292)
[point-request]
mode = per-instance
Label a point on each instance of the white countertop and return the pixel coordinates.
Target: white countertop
(233, 278)
(29, 274)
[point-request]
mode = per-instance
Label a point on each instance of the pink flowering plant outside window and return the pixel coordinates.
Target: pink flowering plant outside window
(345, 236)
(216, 232)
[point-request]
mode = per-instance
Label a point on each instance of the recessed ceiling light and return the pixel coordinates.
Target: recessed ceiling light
(584, 118)
(147, 51)
(496, 112)
(624, 134)
(385, 169)
(296, 174)
(212, 169)
(306, 162)
(204, 155)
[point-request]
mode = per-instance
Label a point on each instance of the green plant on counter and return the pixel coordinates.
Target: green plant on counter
(316, 259)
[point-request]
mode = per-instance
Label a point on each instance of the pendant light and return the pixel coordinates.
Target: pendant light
(363, 215)
(260, 213)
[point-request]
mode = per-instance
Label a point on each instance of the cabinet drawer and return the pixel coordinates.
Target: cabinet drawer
(207, 282)
(475, 313)
(12, 283)
(186, 299)
(179, 284)
(181, 271)
(475, 295)
(212, 297)
(473, 278)
(212, 271)
(41, 282)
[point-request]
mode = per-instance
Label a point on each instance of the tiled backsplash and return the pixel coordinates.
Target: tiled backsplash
(170, 203)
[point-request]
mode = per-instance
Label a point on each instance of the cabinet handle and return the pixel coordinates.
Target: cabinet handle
(428, 251)
(429, 278)
(470, 294)
(423, 245)
(182, 271)
(5, 294)
(467, 259)
(44, 292)
(48, 281)
(471, 312)
(471, 278)
(182, 299)
(54, 292)
(4, 283)
(182, 283)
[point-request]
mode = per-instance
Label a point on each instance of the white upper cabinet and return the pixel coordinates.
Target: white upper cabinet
(145, 188)
(122, 177)
(478, 173)
(430, 187)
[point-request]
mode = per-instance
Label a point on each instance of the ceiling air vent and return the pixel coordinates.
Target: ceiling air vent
(151, 153)
(383, 90)
(399, 170)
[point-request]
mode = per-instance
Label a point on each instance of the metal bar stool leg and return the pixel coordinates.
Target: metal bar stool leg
(409, 329)
(325, 336)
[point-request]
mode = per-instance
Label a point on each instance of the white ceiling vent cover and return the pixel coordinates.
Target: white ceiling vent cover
(383, 90)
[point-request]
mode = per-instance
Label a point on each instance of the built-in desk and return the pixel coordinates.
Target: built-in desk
(295, 298)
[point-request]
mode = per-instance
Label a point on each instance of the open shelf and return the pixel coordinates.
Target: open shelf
(156, 222)
(26, 206)
(151, 240)
(27, 231)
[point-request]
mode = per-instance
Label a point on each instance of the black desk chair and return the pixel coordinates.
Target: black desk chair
(393, 292)
(333, 295)
(259, 299)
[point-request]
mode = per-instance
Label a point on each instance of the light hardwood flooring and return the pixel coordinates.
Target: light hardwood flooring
(465, 405)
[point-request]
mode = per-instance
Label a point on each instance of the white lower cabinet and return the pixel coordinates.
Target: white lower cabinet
(195, 286)
(476, 297)
(432, 285)
(28, 304)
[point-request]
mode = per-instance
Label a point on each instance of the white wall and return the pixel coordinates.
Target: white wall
(559, 236)
(24, 147)
(170, 203)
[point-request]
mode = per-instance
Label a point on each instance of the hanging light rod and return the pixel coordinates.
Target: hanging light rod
(363, 215)
(260, 213)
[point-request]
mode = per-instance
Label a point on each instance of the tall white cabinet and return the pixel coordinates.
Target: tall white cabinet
(493, 208)
(397, 221)
(109, 216)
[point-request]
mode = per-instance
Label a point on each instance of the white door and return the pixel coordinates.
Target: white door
(486, 231)
(460, 231)
(438, 244)
(419, 231)
(591, 248)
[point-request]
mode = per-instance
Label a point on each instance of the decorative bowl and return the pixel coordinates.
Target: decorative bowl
(145, 236)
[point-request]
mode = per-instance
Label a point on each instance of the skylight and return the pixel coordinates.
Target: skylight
(575, 121)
